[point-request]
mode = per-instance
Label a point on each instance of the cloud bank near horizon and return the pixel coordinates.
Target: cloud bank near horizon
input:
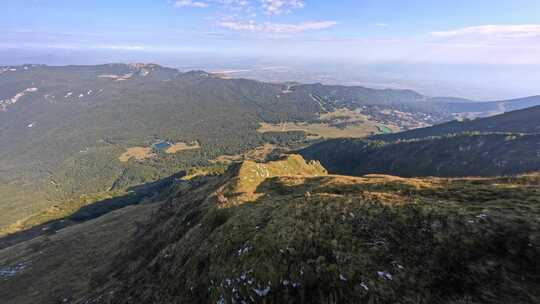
(292, 29)
(268, 7)
(495, 45)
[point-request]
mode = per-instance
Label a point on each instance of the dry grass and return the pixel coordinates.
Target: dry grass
(440, 240)
(58, 211)
(19, 202)
(181, 146)
(139, 153)
(339, 113)
(117, 77)
(329, 233)
(59, 266)
(247, 177)
(359, 126)
(142, 153)
(320, 130)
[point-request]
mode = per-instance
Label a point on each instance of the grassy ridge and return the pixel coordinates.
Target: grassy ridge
(337, 239)
(519, 121)
(470, 154)
(500, 145)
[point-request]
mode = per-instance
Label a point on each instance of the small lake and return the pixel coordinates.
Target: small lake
(162, 145)
(384, 129)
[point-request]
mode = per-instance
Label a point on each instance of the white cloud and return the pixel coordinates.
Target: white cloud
(190, 3)
(494, 31)
(276, 7)
(269, 7)
(234, 3)
(72, 46)
(276, 28)
(489, 44)
(121, 47)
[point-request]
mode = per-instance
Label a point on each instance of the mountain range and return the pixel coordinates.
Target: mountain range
(143, 184)
(505, 144)
(286, 231)
(82, 133)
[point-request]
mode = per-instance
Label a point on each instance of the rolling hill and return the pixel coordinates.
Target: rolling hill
(481, 109)
(506, 144)
(287, 232)
(456, 155)
(67, 131)
(525, 121)
(80, 134)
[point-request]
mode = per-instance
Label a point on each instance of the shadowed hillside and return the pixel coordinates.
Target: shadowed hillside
(522, 121)
(453, 155)
(245, 178)
(81, 130)
(73, 132)
(335, 239)
(457, 105)
(286, 232)
(500, 145)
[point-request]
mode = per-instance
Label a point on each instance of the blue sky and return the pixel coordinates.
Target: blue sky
(457, 31)
(473, 48)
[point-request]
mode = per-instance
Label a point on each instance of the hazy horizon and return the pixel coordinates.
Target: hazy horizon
(484, 50)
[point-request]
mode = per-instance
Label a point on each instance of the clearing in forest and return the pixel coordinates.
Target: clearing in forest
(182, 146)
(258, 154)
(139, 153)
(342, 123)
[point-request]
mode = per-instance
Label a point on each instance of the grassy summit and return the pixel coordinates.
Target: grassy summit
(247, 177)
(286, 232)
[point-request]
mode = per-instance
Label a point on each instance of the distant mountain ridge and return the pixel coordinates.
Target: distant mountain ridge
(208, 223)
(299, 235)
(457, 105)
(505, 144)
(63, 136)
(448, 156)
(525, 121)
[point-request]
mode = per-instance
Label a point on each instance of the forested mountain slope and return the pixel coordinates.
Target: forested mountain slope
(455, 155)
(522, 121)
(64, 130)
(85, 132)
(500, 145)
(71, 131)
(287, 232)
(457, 105)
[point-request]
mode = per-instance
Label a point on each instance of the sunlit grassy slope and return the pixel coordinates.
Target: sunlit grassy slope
(295, 234)
(61, 265)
